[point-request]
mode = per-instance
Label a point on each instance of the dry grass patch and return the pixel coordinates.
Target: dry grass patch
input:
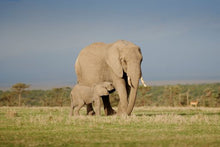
(147, 126)
(11, 113)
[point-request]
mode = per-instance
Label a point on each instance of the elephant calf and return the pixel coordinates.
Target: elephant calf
(82, 95)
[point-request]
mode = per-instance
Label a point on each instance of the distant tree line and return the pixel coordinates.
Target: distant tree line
(20, 96)
(208, 95)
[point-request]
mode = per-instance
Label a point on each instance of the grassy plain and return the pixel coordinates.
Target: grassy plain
(147, 126)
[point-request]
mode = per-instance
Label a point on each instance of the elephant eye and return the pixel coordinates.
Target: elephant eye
(123, 61)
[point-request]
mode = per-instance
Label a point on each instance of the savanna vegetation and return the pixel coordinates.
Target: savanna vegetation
(147, 126)
(207, 95)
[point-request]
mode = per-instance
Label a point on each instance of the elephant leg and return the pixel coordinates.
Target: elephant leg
(71, 110)
(77, 108)
(90, 110)
(107, 106)
(120, 86)
(97, 106)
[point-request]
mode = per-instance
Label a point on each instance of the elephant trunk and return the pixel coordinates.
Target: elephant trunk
(133, 81)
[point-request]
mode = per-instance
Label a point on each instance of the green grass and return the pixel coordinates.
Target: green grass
(147, 126)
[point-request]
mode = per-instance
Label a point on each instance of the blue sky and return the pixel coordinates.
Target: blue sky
(40, 40)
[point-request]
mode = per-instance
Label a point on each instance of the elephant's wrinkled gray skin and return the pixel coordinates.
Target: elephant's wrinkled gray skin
(119, 63)
(82, 95)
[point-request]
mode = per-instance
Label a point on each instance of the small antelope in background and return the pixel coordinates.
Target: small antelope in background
(194, 103)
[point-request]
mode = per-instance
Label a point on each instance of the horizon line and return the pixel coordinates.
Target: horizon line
(46, 86)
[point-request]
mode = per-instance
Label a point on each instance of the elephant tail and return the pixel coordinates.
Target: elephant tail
(78, 70)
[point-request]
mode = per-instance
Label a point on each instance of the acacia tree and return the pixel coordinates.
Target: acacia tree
(19, 88)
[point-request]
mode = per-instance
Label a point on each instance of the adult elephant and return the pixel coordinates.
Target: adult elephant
(119, 63)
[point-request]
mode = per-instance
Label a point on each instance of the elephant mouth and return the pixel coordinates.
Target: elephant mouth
(128, 80)
(111, 91)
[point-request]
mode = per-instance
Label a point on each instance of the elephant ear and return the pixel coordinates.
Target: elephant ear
(113, 60)
(103, 91)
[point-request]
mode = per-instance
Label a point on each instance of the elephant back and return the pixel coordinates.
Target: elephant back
(91, 66)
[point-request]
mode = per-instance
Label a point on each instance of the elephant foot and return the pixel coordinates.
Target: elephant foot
(91, 113)
(89, 109)
(110, 111)
(122, 114)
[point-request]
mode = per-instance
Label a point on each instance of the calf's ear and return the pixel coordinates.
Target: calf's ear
(103, 91)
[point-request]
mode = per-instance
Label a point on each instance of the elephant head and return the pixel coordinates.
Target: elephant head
(102, 89)
(125, 59)
(108, 85)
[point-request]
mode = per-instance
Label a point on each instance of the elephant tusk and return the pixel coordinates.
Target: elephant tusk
(142, 81)
(129, 82)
